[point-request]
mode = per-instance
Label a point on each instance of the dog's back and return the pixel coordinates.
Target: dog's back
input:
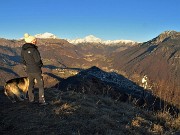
(16, 87)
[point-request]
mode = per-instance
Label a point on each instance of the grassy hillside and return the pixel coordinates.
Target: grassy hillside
(72, 113)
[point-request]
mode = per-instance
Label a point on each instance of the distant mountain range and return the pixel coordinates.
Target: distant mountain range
(87, 39)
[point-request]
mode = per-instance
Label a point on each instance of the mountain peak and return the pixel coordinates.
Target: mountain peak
(166, 35)
(168, 32)
(92, 38)
(46, 35)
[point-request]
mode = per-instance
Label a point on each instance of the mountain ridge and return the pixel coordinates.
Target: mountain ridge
(86, 39)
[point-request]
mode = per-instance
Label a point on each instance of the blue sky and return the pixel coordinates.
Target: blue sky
(138, 20)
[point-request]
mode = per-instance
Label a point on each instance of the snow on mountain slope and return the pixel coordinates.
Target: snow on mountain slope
(46, 35)
(93, 39)
(87, 39)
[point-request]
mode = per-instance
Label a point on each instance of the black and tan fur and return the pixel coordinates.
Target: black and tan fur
(17, 88)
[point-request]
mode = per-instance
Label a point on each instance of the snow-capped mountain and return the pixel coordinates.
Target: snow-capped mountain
(46, 35)
(93, 39)
(87, 39)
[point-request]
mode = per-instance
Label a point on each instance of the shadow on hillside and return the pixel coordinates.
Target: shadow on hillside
(53, 76)
(8, 71)
(50, 67)
(94, 81)
(77, 69)
(10, 54)
(149, 50)
(15, 59)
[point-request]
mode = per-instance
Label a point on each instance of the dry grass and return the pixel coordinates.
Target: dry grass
(169, 121)
(71, 113)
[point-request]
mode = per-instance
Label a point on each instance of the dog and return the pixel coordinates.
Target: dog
(16, 89)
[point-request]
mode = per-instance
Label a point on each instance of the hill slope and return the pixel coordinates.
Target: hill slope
(159, 59)
(88, 111)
